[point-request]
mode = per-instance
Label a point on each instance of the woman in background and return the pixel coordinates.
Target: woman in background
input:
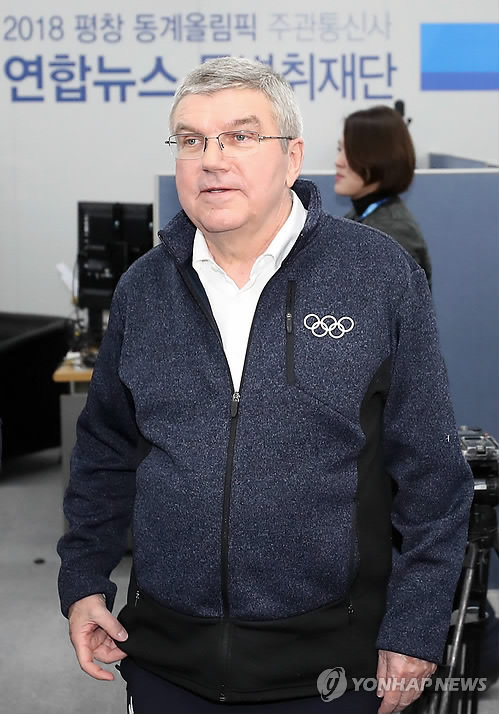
(375, 163)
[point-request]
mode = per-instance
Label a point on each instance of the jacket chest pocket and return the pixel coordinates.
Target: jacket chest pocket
(317, 341)
(331, 352)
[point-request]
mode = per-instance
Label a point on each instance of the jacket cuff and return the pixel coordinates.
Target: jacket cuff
(72, 589)
(414, 639)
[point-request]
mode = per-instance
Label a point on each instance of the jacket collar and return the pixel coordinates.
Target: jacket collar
(178, 235)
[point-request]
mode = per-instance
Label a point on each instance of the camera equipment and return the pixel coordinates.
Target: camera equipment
(399, 107)
(482, 453)
(470, 618)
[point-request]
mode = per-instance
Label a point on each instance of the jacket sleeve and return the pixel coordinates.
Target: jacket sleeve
(99, 499)
(433, 485)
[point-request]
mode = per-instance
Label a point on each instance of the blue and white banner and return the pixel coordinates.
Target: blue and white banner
(460, 56)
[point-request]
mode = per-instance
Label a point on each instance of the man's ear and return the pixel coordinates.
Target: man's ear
(296, 149)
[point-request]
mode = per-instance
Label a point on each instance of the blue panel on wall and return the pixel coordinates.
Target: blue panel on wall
(448, 161)
(169, 204)
(459, 215)
(460, 56)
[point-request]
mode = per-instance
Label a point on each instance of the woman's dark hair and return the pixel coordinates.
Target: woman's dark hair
(378, 147)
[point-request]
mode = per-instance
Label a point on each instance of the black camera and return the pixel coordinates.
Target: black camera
(481, 451)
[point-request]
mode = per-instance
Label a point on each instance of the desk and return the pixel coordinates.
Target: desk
(78, 378)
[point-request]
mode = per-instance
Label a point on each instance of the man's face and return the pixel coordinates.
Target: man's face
(241, 195)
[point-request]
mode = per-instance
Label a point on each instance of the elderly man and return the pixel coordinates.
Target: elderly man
(268, 402)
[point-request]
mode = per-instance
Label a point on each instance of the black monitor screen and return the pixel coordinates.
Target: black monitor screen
(110, 237)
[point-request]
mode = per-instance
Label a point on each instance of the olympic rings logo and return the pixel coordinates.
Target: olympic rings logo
(328, 325)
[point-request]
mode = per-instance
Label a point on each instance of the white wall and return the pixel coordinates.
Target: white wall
(54, 154)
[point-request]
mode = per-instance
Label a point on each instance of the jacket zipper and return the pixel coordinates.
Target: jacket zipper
(290, 335)
(350, 611)
(234, 411)
(352, 570)
(224, 541)
(224, 553)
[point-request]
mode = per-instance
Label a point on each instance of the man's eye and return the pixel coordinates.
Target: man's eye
(190, 141)
(238, 137)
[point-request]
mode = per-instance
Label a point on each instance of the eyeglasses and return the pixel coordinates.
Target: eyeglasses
(232, 143)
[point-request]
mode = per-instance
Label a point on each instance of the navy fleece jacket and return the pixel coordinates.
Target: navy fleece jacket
(291, 508)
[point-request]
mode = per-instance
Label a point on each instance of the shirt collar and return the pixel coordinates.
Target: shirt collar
(279, 247)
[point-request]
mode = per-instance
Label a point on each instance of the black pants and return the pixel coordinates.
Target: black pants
(149, 694)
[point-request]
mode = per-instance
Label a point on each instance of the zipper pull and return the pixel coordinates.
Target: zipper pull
(137, 595)
(350, 607)
(289, 322)
(235, 404)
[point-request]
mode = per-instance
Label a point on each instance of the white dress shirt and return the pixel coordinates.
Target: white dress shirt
(233, 308)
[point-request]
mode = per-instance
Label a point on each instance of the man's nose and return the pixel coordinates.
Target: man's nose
(213, 156)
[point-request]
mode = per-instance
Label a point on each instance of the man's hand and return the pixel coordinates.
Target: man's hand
(91, 630)
(400, 680)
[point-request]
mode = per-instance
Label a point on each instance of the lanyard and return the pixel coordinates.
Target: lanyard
(372, 207)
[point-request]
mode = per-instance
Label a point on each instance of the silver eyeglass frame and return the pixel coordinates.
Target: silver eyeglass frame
(173, 143)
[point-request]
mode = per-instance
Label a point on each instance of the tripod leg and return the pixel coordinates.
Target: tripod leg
(455, 646)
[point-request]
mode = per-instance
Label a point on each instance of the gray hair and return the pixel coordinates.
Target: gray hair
(239, 72)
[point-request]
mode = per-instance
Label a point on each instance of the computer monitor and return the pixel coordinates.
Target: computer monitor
(110, 237)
